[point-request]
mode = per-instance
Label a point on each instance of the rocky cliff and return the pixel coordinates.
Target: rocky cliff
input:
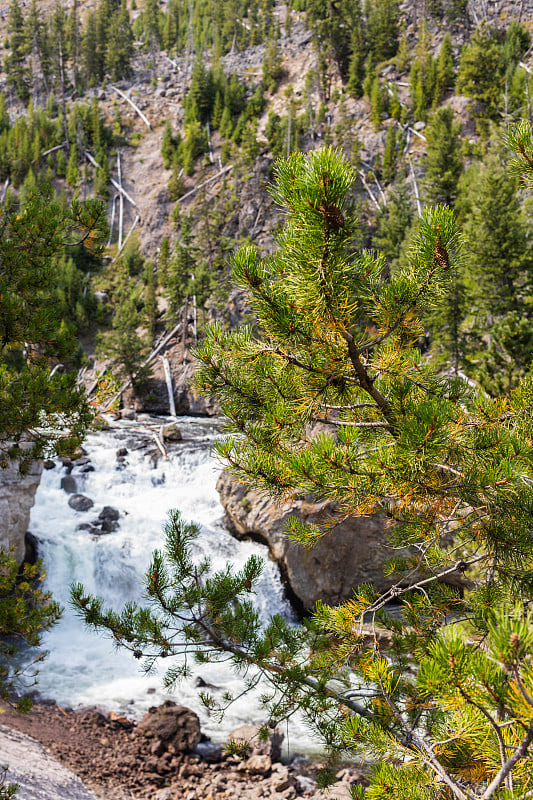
(353, 554)
(17, 495)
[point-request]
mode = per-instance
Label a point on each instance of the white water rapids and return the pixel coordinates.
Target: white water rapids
(84, 668)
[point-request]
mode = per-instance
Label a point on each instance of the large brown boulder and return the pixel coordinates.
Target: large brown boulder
(354, 553)
(172, 727)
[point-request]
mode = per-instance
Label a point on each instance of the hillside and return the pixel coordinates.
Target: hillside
(414, 94)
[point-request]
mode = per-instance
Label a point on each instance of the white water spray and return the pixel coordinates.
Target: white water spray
(84, 668)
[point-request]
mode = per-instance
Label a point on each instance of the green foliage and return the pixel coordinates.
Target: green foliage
(390, 156)
(16, 64)
(480, 71)
(423, 76)
(120, 45)
(444, 161)
(445, 72)
(499, 268)
(40, 406)
(26, 613)
(393, 221)
(382, 22)
(124, 345)
(272, 65)
(320, 404)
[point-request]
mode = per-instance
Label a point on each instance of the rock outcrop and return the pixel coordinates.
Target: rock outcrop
(353, 554)
(38, 775)
(17, 495)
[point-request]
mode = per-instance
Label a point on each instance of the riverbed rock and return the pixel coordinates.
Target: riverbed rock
(17, 495)
(109, 513)
(174, 727)
(69, 484)
(249, 735)
(79, 502)
(354, 553)
(172, 433)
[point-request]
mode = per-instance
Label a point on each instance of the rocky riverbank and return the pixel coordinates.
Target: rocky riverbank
(166, 757)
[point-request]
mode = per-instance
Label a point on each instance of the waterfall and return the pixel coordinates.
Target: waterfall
(83, 668)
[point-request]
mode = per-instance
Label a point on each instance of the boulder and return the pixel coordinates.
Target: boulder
(17, 495)
(80, 503)
(258, 765)
(174, 727)
(249, 735)
(354, 553)
(109, 513)
(69, 484)
(172, 433)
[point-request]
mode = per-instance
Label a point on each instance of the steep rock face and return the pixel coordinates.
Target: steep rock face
(17, 495)
(353, 554)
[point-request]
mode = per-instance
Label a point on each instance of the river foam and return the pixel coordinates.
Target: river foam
(83, 668)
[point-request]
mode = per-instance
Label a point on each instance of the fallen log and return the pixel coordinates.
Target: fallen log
(132, 104)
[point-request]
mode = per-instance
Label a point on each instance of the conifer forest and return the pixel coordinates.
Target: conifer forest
(315, 220)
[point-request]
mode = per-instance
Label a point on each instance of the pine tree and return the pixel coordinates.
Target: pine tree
(92, 65)
(393, 221)
(73, 38)
(124, 345)
(167, 145)
(150, 301)
(377, 104)
(356, 68)
(33, 236)
(445, 72)
(499, 278)
(480, 75)
(382, 21)
(321, 405)
(423, 76)
(15, 63)
(120, 45)
(272, 65)
(390, 155)
(444, 160)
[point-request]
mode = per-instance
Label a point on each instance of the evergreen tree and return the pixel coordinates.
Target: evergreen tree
(377, 103)
(480, 74)
(445, 72)
(356, 67)
(179, 271)
(390, 155)
(126, 348)
(26, 613)
(272, 65)
(444, 161)
(393, 222)
(16, 64)
(423, 76)
(167, 145)
(31, 400)
(150, 301)
(92, 64)
(320, 405)
(38, 46)
(500, 275)
(120, 45)
(382, 21)
(150, 23)
(73, 39)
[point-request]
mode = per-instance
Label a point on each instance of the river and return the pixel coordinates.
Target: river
(84, 668)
